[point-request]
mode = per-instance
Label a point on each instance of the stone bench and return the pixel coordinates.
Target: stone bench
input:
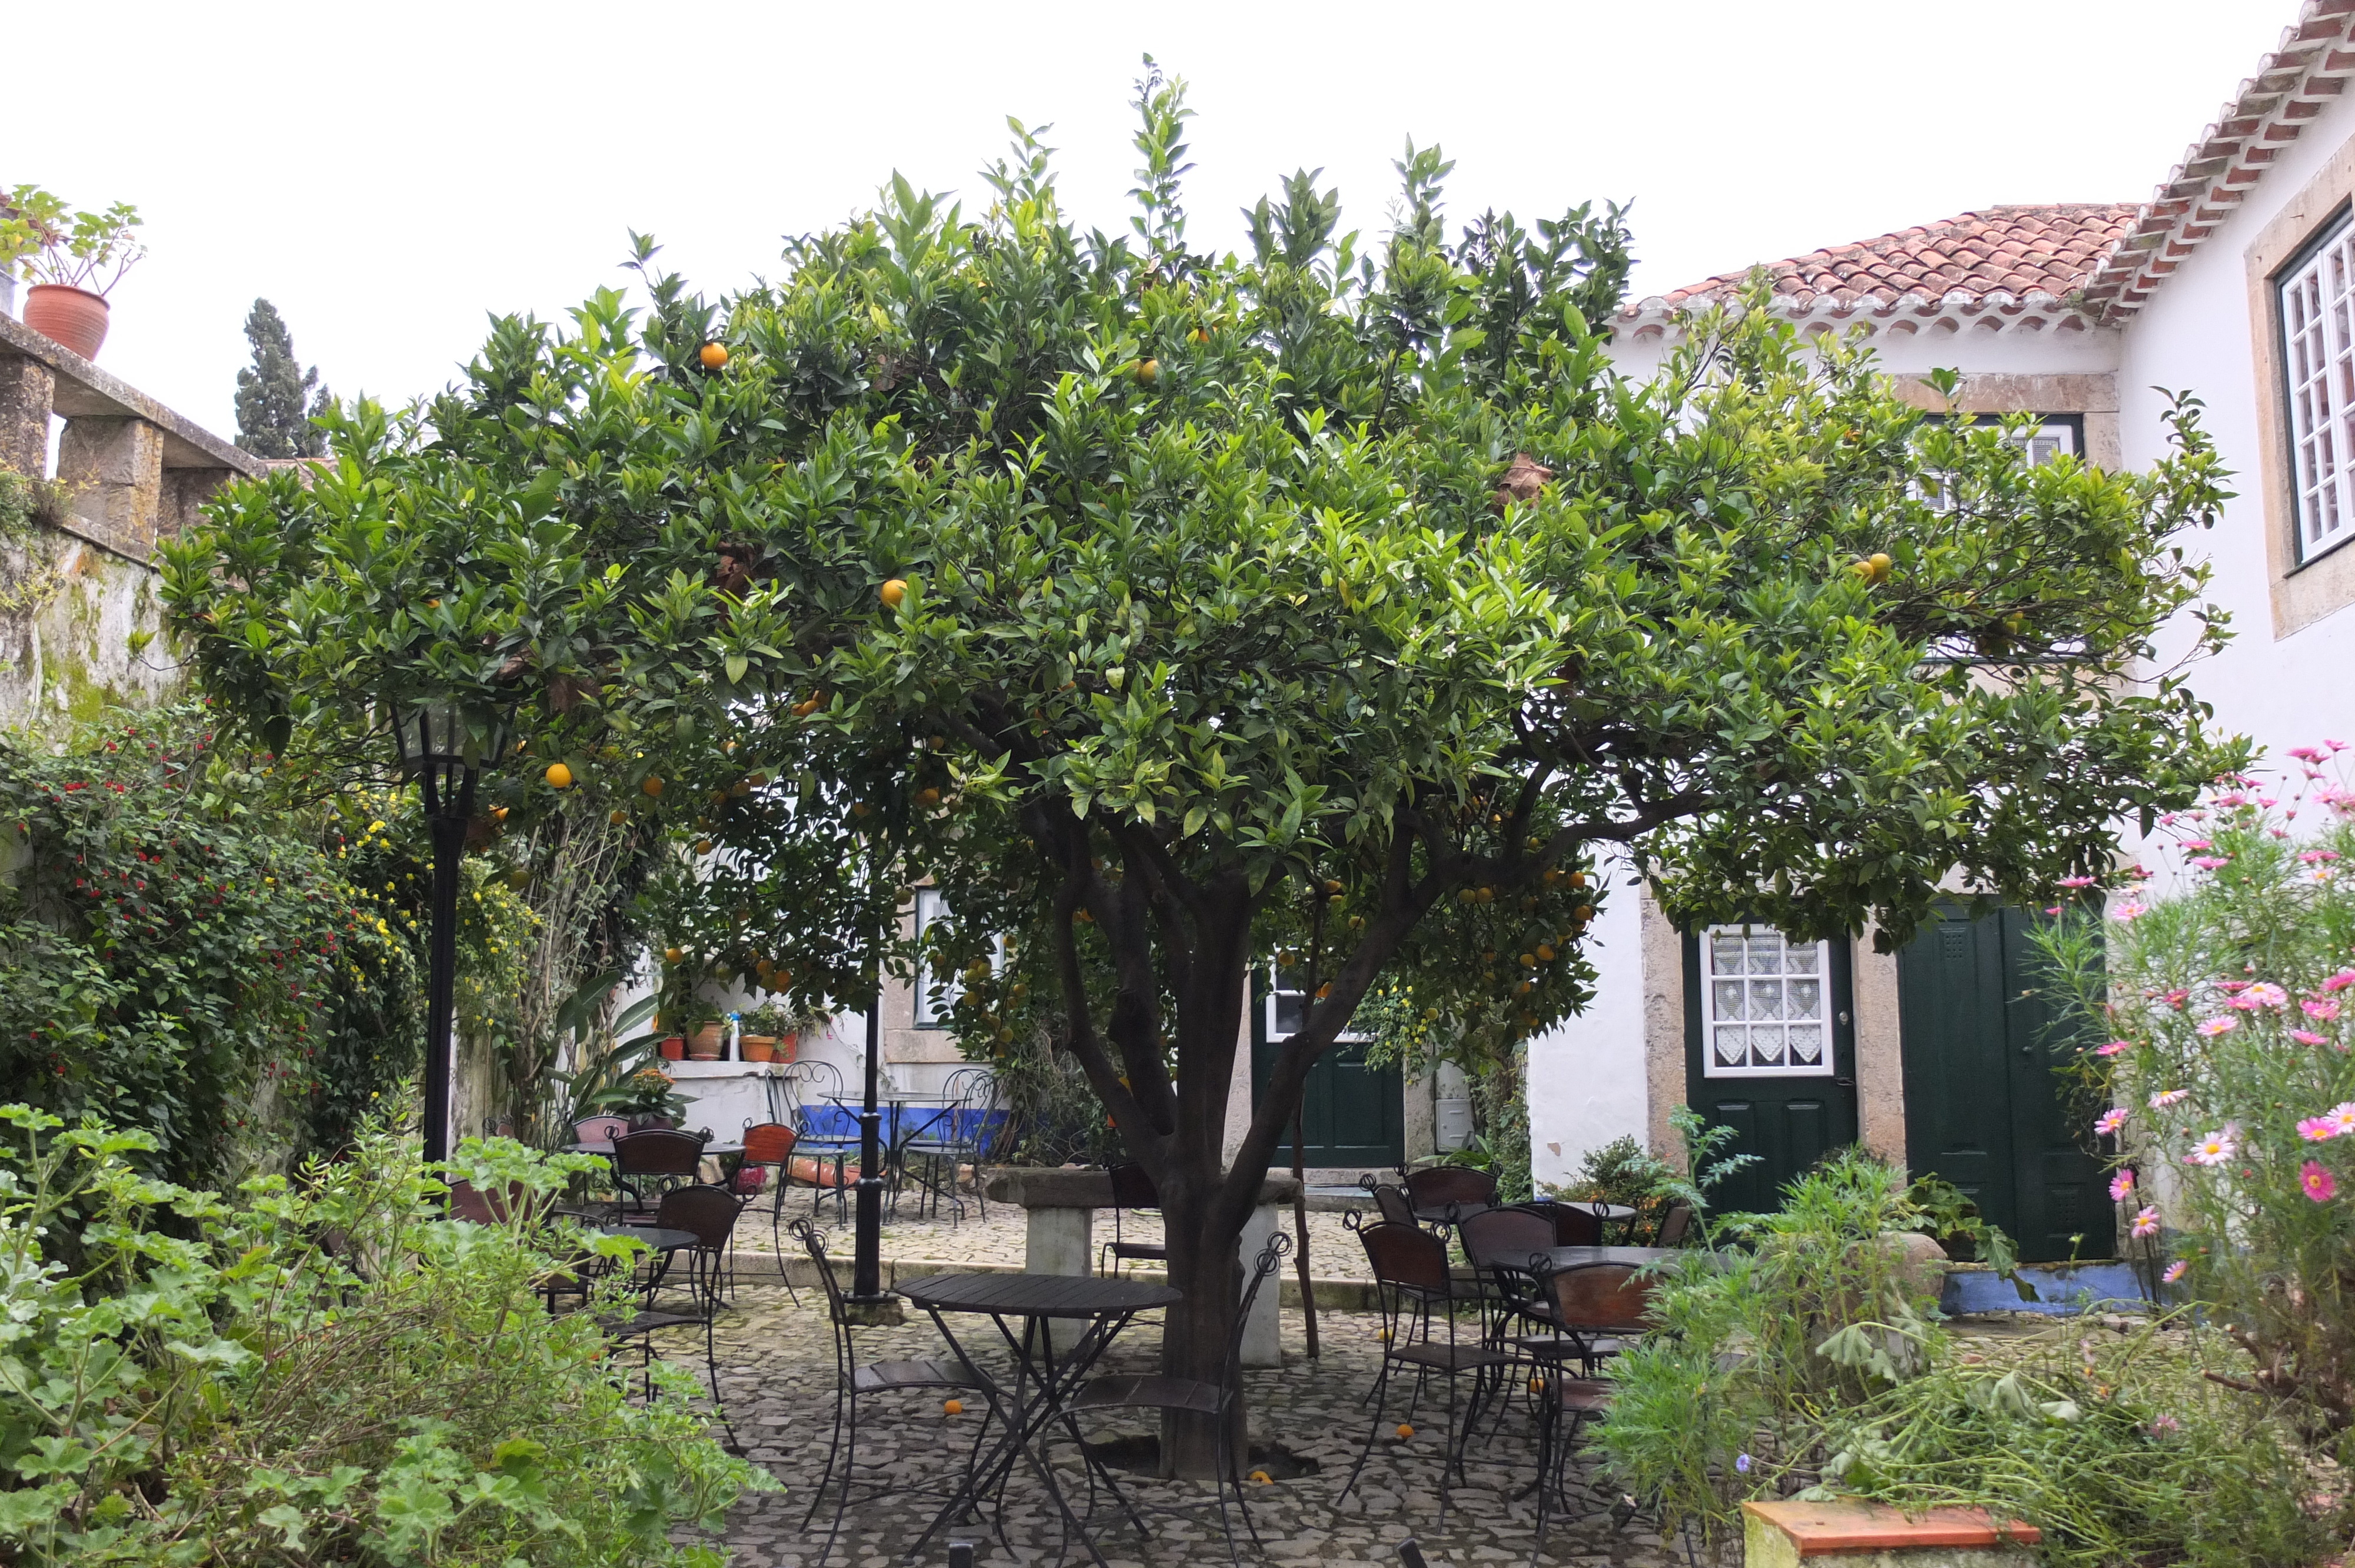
(1853, 1533)
(1059, 1238)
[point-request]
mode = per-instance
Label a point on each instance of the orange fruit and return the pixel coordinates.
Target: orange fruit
(673, 955)
(499, 813)
(653, 784)
(1545, 952)
(1583, 912)
(618, 817)
(803, 710)
(893, 592)
(558, 776)
(713, 355)
(928, 797)
(1148, 371)
(952, 1407)
(1261, 1479)
(703, 846)
(1404, 1430)
(1202, 336)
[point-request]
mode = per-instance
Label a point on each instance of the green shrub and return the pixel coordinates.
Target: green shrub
(319, 1372)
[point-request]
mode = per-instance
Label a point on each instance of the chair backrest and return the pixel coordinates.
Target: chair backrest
(1575, 1226)
(769, 1143)
(1600, 1295)
(1271, 1258)
(1674, 1224)
(657, 1152)
(466, 1202)
(599, 1129)
(1133, 1189)
(710, 1212)
(1394, 1206)
(814, 1244)
(1504, 1238)
(1436, 1186)
(1406, 1254)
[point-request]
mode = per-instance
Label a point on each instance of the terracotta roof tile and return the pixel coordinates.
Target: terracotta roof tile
(2017, 250)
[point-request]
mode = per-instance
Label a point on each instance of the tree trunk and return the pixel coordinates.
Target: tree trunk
(1197, 1330)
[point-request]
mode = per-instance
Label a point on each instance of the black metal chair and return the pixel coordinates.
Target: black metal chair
(1574, 1225)
(1450, 1187)
(1153, 1391)
(1415, 1288)
(1132, 1190)
(1674, 1224)
(954, 1139)
(1499, 1243)
(651, 1318)
(1594, 1307)
(654, 1160)
(1391, 1203)
(854, 1382)
(708, 1213)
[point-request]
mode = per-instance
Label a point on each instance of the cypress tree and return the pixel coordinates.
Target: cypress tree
(276, 397)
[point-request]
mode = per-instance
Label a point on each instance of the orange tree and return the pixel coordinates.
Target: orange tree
(1170, 610)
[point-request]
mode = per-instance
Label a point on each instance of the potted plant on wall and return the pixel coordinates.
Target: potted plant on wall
(74, 260)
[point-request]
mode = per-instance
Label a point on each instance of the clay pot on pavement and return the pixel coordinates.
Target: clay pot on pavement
(71, 318)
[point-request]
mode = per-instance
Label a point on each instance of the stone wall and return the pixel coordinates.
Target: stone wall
(78, 612)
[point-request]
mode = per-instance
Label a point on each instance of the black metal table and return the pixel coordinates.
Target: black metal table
(1044, 1376)
(1579, 1257)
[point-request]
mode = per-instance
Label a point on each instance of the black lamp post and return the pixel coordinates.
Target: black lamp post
(867, 1240)
(443, 750)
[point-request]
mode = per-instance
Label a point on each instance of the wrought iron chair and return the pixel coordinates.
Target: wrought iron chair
(1450, 1187)
(810, 1090)
(1416, 1290)
(956, 1136)
(1154, 1391)
(710, 1214)
(769, 1146)
(599, 1129)
(1132, 1190)
(1674, 1224)
(1498, 1243)
(1594, 1303)
(1573, 1225)
(854, 1382)
(655, 1159)
(1391, 1203)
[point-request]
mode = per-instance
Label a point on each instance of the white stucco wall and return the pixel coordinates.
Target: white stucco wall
(2197, 333)
(1586, 1075)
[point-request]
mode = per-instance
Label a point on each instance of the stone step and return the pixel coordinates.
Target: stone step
(1849, 1532)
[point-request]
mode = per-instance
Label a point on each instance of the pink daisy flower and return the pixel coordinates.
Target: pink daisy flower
(2130, 910)
(2216, 1026)
(2176, 998)
(2308, 1037)
(2114, 1048)
(2215, 1149)
(2316, 1182)
(2176, 1271)
(2319, 1008)
(2146, 1222)
(2167, 1097)
(2339, 982)
(2121, 1185)
(2079, 880)
(2264, 993)
(2198, 845)
(2109, 1121)
(2211, 862)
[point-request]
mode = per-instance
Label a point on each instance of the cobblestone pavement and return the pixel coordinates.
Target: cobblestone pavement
(1334, 1251)
(776, 1365)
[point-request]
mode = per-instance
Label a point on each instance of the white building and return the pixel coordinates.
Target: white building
(2235, 282)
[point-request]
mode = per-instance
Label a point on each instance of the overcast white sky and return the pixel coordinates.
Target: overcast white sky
(389, 175)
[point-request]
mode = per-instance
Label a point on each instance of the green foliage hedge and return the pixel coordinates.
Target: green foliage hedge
(319, 1371)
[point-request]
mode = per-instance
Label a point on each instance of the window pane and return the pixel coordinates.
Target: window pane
(1766, 1043)
(1802, 998)
(1291, 1011)
(1807, 1045)
(1727, 998)
(1731, 1046)
(1726, 954)
(1800, 959)
(1766, 999)
(1767, 955)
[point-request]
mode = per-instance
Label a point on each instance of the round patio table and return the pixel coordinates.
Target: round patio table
(1044, 1375)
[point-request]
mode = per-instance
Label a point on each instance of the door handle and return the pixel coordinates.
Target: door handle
(1843, 1083)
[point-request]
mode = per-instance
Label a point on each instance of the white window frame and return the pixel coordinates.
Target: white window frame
(1276, 988)
(2315, 298)
(1824, 1066)
(2057, 437)
(932, 905)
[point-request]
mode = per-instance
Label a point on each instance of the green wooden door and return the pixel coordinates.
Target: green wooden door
(1984, 1106)
(1352, 1116)
(1770, 1050)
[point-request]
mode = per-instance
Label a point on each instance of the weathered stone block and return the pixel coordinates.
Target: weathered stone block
(116, 466)
(28, 389)
(1852, 1533)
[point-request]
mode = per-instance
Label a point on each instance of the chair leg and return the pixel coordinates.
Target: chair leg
(1381, 1395)
(833, 1452)
(842, 1494)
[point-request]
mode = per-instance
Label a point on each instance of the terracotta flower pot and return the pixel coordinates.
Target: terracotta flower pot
(786, 1048)
(72, 318)
(706, 1043)
(756, 1047)
(673, 1049)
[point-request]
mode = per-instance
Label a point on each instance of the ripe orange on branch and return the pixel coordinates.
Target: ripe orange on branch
(713, 355)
